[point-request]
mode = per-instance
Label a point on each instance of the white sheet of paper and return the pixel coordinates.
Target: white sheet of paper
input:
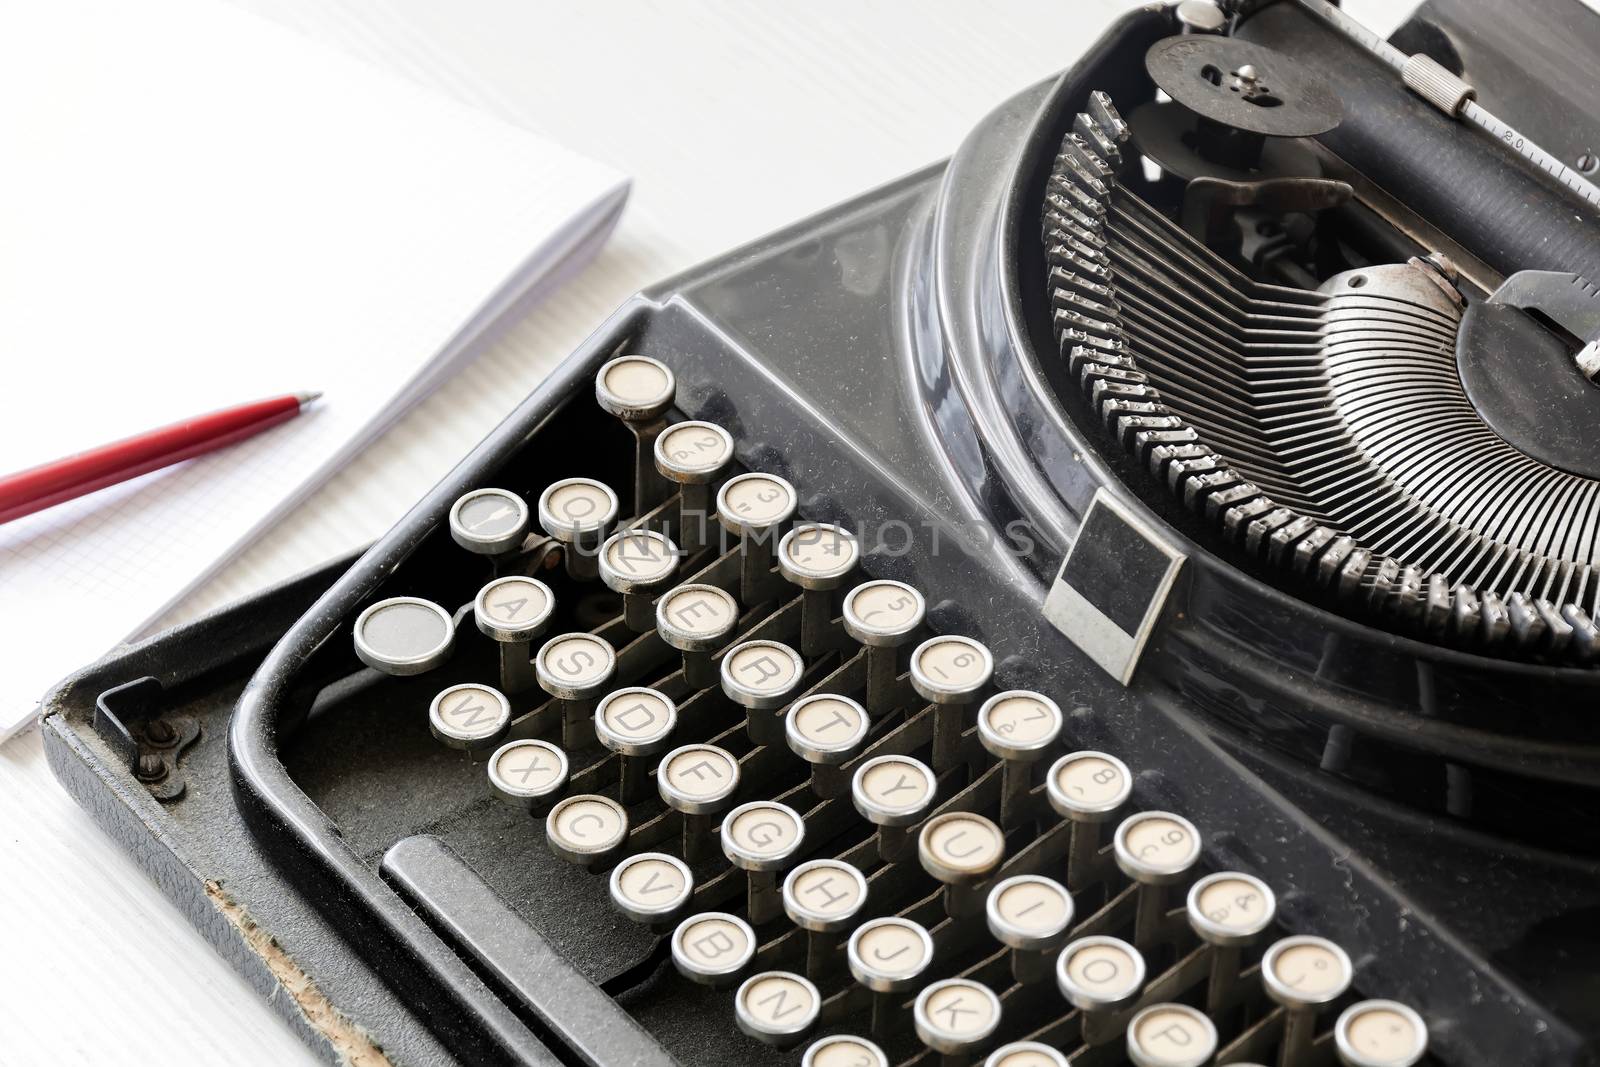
(199, 209)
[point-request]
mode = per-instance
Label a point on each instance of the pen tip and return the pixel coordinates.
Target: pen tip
(307, 398)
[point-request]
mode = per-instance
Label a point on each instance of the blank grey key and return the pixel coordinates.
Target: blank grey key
(473, 916)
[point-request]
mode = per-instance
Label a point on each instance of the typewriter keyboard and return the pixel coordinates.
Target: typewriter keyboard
(845, 832)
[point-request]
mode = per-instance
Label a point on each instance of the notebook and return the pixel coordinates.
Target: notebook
(200, 208)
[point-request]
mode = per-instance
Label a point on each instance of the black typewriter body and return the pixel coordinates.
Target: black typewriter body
(1420, 790)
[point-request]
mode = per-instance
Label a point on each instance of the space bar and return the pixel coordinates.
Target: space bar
(575, 1010)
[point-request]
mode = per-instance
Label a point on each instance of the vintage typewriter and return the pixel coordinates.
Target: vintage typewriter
(1125, 595)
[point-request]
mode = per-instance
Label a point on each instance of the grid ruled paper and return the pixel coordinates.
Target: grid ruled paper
(201, 209)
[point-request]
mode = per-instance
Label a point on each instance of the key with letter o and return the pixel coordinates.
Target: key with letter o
(1100, 976)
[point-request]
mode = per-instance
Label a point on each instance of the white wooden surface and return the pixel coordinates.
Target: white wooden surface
(734, 118)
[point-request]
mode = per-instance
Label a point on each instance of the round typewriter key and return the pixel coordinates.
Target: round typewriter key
(1303, 973)
(760, 676)
(956, 1016)
(1032, 915)
(404, 635)
(1228, 910)
(1157, 849)
(651, 887)
(1088, 788)
(888, 956)
(712, 948)
(826, 730)
(1380, 1033)
(777, 1007)
(586, 829)
(948, 671)
(1100, 976)
(754, 506)
(844, 1050)
(1171, 1035)
(1018, 726)
(882, 615)
(638, 564)
(893, 793)
(760, 838)
(695, 619)
(697, 781)
(635, 388)
(575, 669)
(639, 390)
(490, 522)
(961, 850)
(526, 773)
(693, 454)
(1026, 1054)
(469, 716)
(817, 557)
(634, 722)
(578, 512)
(513, 611)
(823, 897)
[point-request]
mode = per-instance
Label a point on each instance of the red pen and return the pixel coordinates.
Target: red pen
(51, 483)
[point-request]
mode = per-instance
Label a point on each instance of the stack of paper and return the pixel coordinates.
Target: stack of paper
(201, 209)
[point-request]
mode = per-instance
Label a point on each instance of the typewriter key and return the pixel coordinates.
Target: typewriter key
(1303, 973)
(490, 522)
(761, 676)
(826, 730)
(586, 829)
(651, 887)
(578, 512)
(955, 1017)
(777, 1007)
(634, 723)
(469, 716)
(513, 611)
(639, 564)
(1171, 1035)
(948, 671)
(695, 619)
(527, 773)
(817, 557)
(893, 793)
(713, 947)
(1087, 788)
(1156, 849)
(1100, 976)
(754, 506)
(760, 838)
(693, 454)
(887, 956)
(1031, 915)
(844, 1050)
(961, 850)
(823, 897)
(639, 390)
(1026, 1054)
(404, 635)
(1018, 726)
(882, 615)
(697, 781)
(1380, 1033)
(575, 669)
(1228, 910)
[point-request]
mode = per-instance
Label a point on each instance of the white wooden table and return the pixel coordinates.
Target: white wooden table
(734, 118)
